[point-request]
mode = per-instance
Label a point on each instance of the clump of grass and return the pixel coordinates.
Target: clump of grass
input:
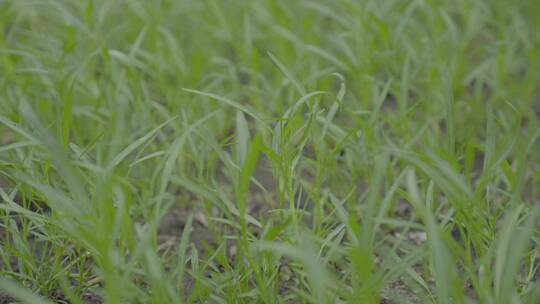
(269, 151)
